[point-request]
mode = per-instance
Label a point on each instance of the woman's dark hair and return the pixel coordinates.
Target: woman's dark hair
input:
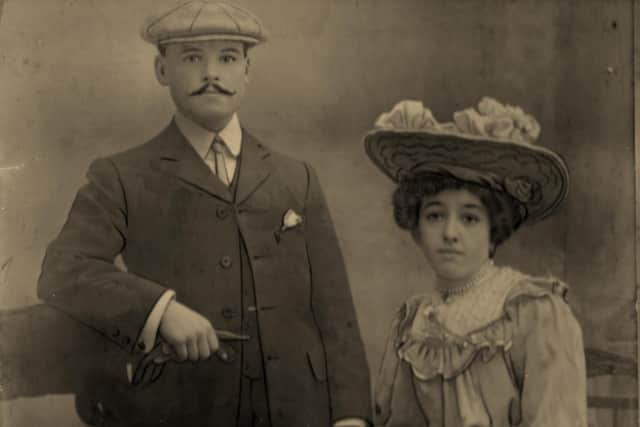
(506, 214)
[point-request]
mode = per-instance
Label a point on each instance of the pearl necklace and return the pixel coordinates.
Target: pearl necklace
(480, 275)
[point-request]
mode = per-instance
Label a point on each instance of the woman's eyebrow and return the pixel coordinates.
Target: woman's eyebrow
(432, 203)
(472, 206)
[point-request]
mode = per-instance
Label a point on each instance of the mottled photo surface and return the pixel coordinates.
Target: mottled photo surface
(79, 83)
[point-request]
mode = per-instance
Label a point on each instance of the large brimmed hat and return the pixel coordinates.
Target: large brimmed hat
(493, 146)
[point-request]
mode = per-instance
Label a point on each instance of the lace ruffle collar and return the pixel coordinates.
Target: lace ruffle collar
(443, 343)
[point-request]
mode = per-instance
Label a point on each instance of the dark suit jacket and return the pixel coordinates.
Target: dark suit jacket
(176, 226)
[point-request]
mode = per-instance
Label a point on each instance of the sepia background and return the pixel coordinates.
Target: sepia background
(77, 82)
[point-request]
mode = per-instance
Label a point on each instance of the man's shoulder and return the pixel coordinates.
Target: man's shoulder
(141, 152)
(282, 162)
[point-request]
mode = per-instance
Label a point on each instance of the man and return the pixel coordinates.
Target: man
(221, 238)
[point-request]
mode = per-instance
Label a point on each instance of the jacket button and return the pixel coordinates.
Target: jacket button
(226, 262)
(141, 346)
(227, 313)
(222, 212)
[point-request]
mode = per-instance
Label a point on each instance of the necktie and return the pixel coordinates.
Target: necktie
(216, 159)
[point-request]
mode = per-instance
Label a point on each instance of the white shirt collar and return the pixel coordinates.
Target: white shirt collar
(201, 138)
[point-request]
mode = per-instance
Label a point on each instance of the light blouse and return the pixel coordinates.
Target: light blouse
(508, 352)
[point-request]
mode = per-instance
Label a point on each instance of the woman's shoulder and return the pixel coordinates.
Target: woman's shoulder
(531, 292)
(530, 287)
(407, 311)
(544, 330)
(540, 300)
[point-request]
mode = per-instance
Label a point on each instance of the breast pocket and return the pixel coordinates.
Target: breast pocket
(291, 245)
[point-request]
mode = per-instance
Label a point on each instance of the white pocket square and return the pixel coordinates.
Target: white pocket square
(291, 219)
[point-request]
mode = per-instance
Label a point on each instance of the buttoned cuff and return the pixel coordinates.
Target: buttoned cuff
(350, 422)
(147, 338)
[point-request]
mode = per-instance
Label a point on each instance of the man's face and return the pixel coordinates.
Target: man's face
(207, 79)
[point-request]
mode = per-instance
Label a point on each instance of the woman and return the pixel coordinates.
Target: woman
(490, 346)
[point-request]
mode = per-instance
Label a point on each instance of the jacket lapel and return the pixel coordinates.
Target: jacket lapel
(177, 157)
(254, 167)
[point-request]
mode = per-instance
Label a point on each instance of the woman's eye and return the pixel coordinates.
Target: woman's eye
(433, 216)
(470, 219)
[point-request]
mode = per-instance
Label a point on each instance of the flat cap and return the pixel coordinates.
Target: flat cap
(200, 20)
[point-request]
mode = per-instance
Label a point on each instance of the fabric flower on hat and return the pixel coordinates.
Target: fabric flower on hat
(525, 123)
(492, 119)
(500, 127)
(520, 188)
(499, 121)
(408, 115)
(490, 107)
(469, 121)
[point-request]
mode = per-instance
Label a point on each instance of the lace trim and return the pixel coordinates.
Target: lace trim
(442, 352)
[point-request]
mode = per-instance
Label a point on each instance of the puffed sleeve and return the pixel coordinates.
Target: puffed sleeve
(396, 404)
(549, 363)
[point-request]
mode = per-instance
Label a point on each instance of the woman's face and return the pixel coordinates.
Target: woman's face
(454, 234)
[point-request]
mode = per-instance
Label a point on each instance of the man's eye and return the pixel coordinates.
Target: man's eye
(227, 59)
(192, 59)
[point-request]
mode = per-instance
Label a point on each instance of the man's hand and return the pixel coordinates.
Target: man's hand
(190, 335)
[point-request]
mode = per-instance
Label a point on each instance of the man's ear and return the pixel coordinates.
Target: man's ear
(161, 72)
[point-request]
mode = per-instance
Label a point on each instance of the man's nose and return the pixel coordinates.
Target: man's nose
(211, 71)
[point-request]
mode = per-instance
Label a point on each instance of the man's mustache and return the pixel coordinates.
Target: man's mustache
(216, 86)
